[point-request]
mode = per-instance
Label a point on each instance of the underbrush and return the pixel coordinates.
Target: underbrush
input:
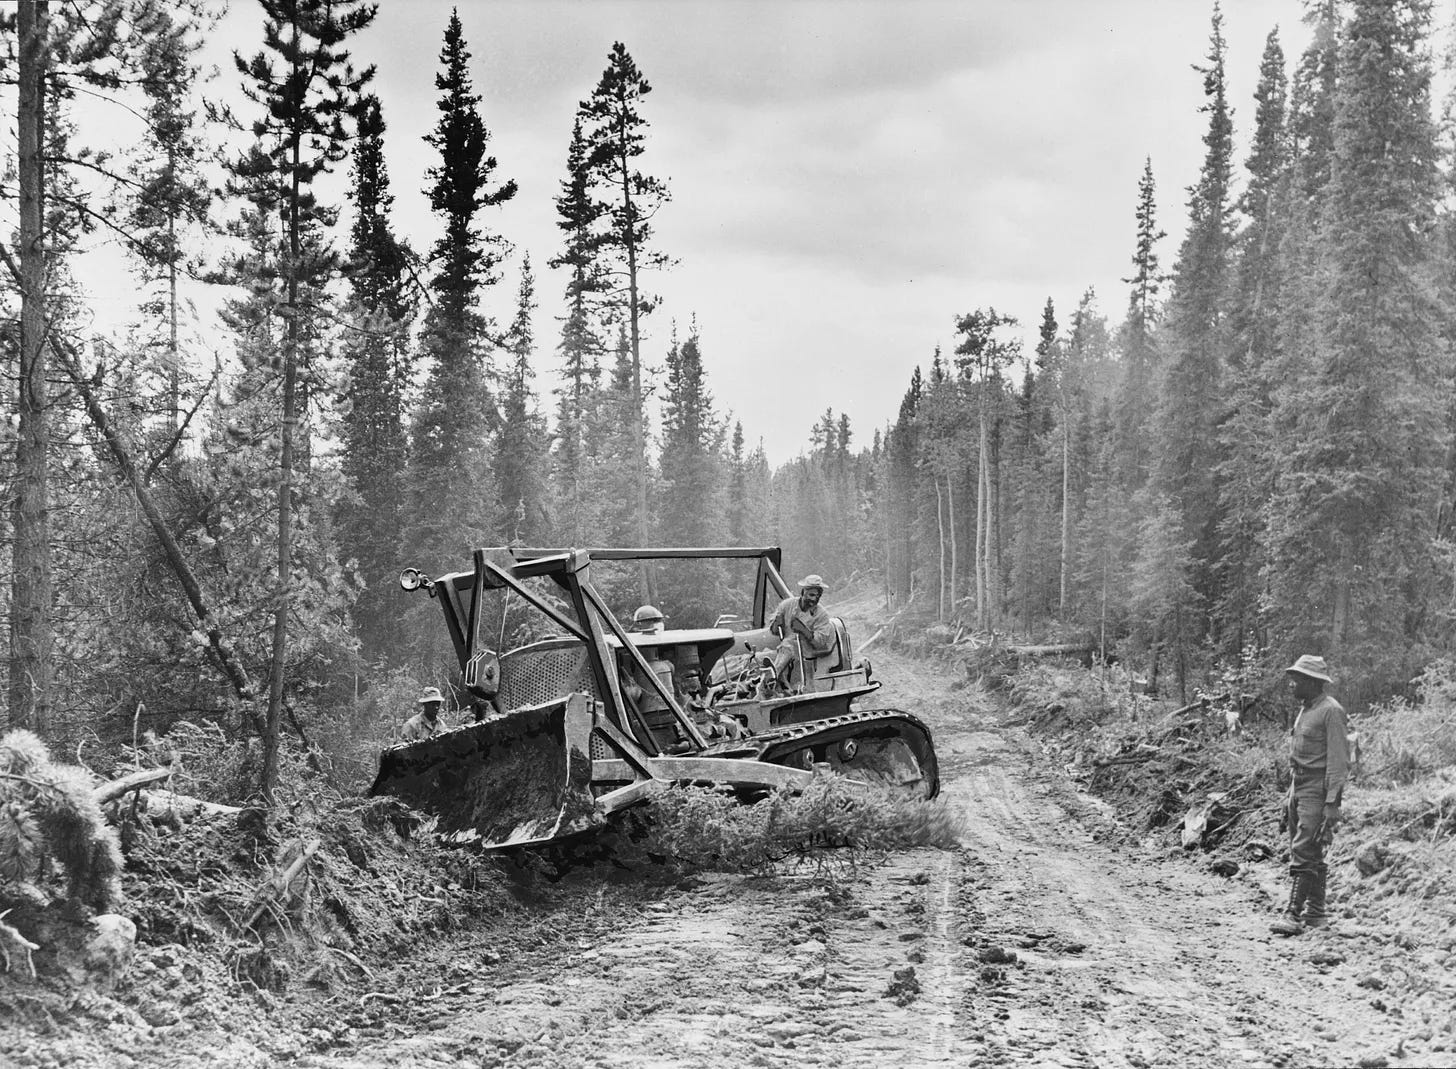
(833, 825)
(1180, 778)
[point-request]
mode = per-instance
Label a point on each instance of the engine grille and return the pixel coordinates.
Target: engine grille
(543, 672)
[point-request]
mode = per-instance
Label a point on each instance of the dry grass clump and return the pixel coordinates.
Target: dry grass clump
(1404, 742)
(832, 822)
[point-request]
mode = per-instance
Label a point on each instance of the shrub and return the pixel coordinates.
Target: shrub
(706, 828)
(48, 810)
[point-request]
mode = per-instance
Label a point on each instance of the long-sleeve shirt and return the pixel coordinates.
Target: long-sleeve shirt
(815, 619)
(1319, 748)
(420, 726)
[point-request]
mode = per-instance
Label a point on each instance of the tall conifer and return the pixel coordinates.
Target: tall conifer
(1137, 395)
(615, 133)
(1352, 526)
(452, 509)
(309, 93)
(378, 357)
(1190, 407)
(521, 452)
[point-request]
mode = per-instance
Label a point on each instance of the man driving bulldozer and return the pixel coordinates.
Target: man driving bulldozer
(806, 632)
(648, 620)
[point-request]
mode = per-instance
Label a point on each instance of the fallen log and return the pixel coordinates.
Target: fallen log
(114, 789)
(870, 641)
(185, 807)
(1060, 649)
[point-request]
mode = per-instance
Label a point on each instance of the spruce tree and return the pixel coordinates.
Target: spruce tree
(738, 505)
(309, 94)
(521, 452)
(1247, 434)
(1137, 396)
(615, 134)
(692, 440)
(378, 357)
(692, 492)
(173, 194)
(580, 346)
(452, 506)
(1190, 407)
(1352, 525)
(983, 355)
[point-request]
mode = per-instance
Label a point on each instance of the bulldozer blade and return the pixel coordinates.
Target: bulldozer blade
(516, 780)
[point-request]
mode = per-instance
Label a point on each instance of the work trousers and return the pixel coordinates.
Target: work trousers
(1306, 820)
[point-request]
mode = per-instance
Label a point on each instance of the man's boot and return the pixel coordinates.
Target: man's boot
(1289, 923)
(1314, 906)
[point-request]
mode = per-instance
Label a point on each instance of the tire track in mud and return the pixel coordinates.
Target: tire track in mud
(760, 972)
(1125, 956)
(1035, 944)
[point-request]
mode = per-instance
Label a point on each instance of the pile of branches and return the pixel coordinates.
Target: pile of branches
(1173, 773)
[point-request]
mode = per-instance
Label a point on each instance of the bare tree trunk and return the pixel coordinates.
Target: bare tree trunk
(278, 654)
(993, 539)
(639, 441)
(30, 604)
(1066, 513)
(955, 567)
(940, 529)
(1102, 616)
(984, 530)
(174, 371)
(889, 580)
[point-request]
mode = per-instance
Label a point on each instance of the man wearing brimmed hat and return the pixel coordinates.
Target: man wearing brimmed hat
(427, 721)
(805, 629)
(1319, 757)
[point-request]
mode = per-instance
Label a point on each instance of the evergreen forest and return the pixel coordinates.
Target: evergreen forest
(1248, 459)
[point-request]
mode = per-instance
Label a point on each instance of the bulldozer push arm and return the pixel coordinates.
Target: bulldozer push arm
(591, 728)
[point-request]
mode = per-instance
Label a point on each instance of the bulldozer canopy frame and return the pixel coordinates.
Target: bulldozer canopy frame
(769, 587)
(590, 621)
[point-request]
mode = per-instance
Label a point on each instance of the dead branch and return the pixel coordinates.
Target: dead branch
(10, 938)
(381, 996)
(109, 792)
(278, 889)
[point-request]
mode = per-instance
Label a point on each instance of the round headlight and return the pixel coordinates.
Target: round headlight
(410, 579)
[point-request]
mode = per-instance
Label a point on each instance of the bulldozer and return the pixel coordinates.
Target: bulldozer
(579, 717)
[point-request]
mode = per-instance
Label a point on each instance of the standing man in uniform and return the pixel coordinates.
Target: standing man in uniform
(1319, 757)
(805, 629)
(426, 722)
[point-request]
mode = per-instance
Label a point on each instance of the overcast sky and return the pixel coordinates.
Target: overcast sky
(847, 176)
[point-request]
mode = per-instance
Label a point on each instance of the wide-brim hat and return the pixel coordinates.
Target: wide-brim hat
(1311, 666)
(430, 694)
(812, 580)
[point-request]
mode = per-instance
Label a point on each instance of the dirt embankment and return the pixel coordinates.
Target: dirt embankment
(1059, 933)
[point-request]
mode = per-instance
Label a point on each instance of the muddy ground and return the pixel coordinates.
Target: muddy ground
(1051, 937)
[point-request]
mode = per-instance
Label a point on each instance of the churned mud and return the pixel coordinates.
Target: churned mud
(1044, 940)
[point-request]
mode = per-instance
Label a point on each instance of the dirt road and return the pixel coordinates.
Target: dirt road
(1037, 943)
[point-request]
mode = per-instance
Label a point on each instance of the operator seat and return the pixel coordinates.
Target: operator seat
(819, 668)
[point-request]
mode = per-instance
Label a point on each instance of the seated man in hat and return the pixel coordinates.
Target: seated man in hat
(806, 631)
(426, 722)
